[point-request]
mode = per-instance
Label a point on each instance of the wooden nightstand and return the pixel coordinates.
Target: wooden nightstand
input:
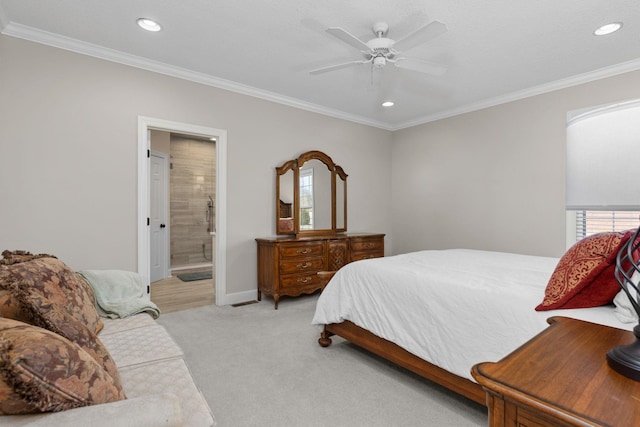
(561, 378)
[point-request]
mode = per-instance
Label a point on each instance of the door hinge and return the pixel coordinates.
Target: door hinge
(148, 154)
(148, 222)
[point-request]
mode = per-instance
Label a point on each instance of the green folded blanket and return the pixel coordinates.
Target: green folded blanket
(119, 293)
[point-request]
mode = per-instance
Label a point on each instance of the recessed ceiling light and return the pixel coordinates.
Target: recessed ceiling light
(608, 29)
(148, 24)
(388, 104)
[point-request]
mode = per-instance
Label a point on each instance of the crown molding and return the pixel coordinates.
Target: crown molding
(67, 43)
(39, 36)
(579, 79)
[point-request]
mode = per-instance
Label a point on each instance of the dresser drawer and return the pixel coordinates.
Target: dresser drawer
(298, 250)
(301, 265)
(357, 256)
(527, 417)
(359, 245)
(366, 248)
(300, 280)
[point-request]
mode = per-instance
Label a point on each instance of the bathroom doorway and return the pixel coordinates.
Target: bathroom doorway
(192, 193)
(194, 221)
(183, 217)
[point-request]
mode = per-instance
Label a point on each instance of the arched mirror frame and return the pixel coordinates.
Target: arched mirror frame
(338, 178)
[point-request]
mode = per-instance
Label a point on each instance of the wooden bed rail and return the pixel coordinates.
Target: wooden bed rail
(396, 354)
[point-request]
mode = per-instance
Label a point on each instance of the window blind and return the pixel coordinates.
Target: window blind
(603, 147)
(592, 222)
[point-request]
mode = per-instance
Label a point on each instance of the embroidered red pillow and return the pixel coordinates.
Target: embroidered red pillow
(584, 276)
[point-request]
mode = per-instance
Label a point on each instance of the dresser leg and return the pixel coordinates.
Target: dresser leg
(276, 298)
(259, 295)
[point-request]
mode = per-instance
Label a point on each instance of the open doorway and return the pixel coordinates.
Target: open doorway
(182, 219)
(170, 247)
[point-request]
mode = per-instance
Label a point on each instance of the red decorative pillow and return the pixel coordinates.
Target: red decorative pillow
(584, 276)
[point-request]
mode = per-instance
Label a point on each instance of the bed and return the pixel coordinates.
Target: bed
(439, 312)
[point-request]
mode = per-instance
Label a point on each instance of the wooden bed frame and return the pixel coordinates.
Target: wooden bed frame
(396, 354)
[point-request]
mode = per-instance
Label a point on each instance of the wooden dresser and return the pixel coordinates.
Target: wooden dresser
(561, 378)
(289, 265)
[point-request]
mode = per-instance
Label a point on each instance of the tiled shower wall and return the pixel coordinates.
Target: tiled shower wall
(192, 178)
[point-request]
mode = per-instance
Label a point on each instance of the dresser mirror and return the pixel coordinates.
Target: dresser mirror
(311, 196)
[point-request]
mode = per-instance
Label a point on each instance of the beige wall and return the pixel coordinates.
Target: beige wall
(68, 157)
(495, 178)
(491, 179)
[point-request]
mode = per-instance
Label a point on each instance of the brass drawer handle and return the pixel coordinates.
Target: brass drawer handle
(369, 245)
(303, 266)
(303, 251)
(304, 279)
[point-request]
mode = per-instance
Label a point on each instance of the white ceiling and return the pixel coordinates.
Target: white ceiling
(495, 50)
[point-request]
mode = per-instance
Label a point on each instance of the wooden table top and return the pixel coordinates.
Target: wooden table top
(563, 372)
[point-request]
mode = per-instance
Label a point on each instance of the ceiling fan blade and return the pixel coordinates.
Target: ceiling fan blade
(348, 38)
(336, 67)
(421, 35)
(421, 66)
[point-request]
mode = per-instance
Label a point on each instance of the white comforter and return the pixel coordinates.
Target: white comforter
(453, 308)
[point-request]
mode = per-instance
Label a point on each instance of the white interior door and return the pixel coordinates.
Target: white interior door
(158, 223)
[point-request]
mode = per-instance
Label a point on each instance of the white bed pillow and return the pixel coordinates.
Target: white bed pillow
(624, 311)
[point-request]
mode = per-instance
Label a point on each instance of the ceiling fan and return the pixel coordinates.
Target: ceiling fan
(381, 50)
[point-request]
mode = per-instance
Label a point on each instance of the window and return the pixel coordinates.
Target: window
(603, 178)
(306, 199)
(592, 222)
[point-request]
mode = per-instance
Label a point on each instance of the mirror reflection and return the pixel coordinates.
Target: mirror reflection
(286, 202)
(315, 196)
(311, 196)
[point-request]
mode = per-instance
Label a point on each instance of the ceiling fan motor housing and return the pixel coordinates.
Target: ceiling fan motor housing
(381, 47)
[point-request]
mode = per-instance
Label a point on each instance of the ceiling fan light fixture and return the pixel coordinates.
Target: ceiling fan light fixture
(388, 104)
(608, 29)
(149, 24)
(379, 61)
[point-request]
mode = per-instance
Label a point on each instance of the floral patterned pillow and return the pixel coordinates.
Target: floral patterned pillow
(9, 306)
(42, 371)
(16, 257)
(61, 323)
(43, 306)
(54, 281)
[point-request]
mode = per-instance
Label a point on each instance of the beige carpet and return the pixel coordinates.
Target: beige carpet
(260, 367)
